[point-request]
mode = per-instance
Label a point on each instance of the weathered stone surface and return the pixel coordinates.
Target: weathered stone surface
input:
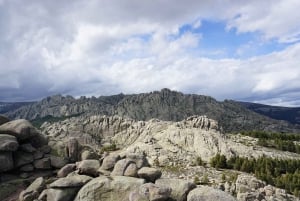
(150, 191)
(139, 159)
(58, 162)
(88, 167)
(32, 191)
(150, 174)
(71, 182)
(110, 161)
(21, 129)
(8, 143)
(27, 148)
(120, 167)
(180, 188)
(22, 158)
(131, 170)
(73, 149)
(205, 193)
(88, 154)
(6, 161)
(64, 171)
(103, 188)
(3, 119)
(43, 163)
(27, 168)
(66, 194)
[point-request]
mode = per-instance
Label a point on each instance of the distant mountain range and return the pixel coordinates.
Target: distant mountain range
(290, 114)
(165, 105)
(6, 107)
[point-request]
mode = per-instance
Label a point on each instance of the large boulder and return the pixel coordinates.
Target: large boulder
(139, 159)
(150, 191)
(21, 129)
(6, 161)
(65, 194)
(110, 161)
(150, 174)
(32, 191)
(71, 181)
(88, 167)
(205, 193)
(3, 119)
(131, 170)
(180, 188)
(64, 171)
(8, 143)
(58, 162)
(43, 164)
(89, 154)
(117, 188)
(121, 166)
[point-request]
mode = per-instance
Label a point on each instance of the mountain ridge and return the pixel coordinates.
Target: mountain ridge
(165, 105)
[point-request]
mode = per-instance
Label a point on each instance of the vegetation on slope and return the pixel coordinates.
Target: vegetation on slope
(282, 173)
(280, 141)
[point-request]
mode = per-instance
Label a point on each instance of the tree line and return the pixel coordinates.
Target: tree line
(280, 141)
(282, 173)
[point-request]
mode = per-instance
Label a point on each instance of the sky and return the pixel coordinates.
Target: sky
(227, 49)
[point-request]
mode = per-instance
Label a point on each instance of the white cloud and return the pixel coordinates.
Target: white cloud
(105, 47)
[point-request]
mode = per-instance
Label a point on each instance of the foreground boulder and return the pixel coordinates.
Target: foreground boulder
(117, 188)
(150, 174)
(150, 191)
(71, 181)
(64, 171)
(88, 167)
(21, 129)
(180, 188)
(51, 194)
(205, 193)
(32, 192)
(110, 161)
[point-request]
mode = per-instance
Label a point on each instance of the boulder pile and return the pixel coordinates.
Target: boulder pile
(118, 177)
(24, 149)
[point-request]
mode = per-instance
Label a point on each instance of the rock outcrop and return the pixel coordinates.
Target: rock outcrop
(21, 147)
(165, 143)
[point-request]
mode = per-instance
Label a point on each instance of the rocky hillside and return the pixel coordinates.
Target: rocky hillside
(114, 158)
(164, 142)
(164, 105)
(289, 114)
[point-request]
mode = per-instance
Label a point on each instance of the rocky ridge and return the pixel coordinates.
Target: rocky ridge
(164, 142)
(164, 105)
(74, 169)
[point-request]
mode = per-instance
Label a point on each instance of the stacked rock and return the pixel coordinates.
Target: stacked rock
(23, 149)
(117, 177)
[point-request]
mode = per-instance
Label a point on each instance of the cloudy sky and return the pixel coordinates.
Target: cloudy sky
(228, 49)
